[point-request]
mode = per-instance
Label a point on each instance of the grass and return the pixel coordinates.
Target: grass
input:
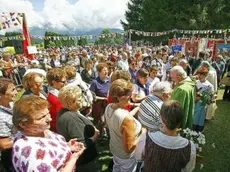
(216, 151)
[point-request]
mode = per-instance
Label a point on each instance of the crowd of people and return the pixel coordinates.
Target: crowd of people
(54, 108)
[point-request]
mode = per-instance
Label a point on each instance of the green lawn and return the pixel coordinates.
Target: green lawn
(216, 151)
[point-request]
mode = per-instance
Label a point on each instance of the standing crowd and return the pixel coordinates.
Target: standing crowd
(54, 108)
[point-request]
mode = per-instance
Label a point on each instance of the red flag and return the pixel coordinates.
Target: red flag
(26, 38)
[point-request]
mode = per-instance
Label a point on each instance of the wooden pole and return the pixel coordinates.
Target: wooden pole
(130, 35)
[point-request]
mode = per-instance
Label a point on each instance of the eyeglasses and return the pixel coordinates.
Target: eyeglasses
(134, 64)
(62, 81)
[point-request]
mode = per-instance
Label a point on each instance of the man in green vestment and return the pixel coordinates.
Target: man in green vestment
(184, 92)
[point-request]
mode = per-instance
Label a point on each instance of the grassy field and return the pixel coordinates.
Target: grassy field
(216, 151)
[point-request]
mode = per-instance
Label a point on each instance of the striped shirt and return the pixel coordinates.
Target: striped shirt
(149, 113)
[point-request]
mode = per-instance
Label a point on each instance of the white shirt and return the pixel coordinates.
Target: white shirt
(138, 91)
(123, 64)
(152, 82)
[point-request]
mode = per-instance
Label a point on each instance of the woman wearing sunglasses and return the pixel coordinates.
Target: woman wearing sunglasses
(56, 79)
(132, 69)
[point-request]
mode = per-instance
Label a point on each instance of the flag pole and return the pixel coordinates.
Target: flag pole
(130, 35)
(27, 31)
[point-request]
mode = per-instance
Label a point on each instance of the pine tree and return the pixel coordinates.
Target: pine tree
(134, 15)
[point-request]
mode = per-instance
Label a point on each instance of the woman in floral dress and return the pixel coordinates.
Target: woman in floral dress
(35, 147)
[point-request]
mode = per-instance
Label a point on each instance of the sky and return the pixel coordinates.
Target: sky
(69, 14)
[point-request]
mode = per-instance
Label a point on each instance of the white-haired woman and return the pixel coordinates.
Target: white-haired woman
(149, 113)
(72, 124)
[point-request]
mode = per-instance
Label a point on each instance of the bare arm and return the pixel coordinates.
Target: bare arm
(137, 99)
(134, 111)
(5, 143)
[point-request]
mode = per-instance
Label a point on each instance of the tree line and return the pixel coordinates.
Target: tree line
(158, 15)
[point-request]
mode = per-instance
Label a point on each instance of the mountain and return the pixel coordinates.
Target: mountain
(41, 32)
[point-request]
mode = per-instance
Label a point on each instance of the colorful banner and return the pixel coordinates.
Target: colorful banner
(88, 37)
(8, 20)
(185, 32)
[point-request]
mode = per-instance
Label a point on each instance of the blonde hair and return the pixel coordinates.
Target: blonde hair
(29, 79)
(119, 88)
(25, 108)
(70, 94)
(70, 72)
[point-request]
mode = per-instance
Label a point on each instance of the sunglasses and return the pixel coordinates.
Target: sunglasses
(62, 81)
(134, 64)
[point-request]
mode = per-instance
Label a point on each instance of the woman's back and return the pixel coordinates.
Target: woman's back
(166, 153)
(114, 119)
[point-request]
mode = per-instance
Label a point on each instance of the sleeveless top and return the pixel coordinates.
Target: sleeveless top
(114, 119)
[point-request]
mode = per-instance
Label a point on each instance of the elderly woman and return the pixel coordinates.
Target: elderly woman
(149, 112)
(35, 147)
(72, 124)
(33, 85)
(74, 78)
(100, 86)
(56, 79)
(124, 128)
(7, 96)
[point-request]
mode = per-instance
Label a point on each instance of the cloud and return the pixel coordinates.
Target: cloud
(61, 15)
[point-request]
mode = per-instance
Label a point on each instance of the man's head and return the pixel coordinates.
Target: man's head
(178, 74)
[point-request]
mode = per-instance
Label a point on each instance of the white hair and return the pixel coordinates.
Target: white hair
(183, 61)
(178, 70)
(161, 88)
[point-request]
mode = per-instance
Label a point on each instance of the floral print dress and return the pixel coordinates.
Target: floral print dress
(37, 154)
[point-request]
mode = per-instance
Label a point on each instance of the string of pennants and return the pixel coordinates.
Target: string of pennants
(88, 37)
(8, 20)
(113, 35)
(175, 31)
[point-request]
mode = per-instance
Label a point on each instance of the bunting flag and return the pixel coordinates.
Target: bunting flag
(88, 37)
(175, 31)
(8, 20)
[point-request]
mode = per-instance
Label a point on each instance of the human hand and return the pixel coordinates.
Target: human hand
(74, 145)
(80, 149)
(96, 134)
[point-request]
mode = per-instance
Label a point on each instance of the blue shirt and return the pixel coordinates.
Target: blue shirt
(99, 87)
(133, 75)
